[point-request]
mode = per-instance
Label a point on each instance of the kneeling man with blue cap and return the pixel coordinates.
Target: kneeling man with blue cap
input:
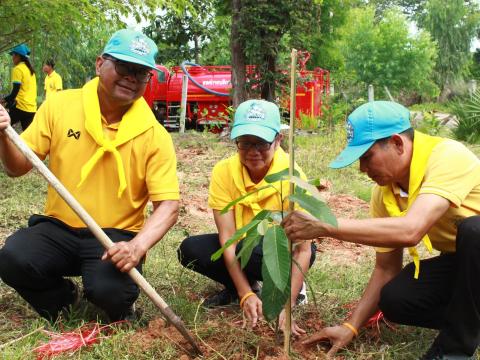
(427, 194)
(105, 145)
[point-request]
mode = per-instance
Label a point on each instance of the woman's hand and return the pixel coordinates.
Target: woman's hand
(252, 310)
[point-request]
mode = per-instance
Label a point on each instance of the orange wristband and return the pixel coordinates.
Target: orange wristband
(245, 297)
(351, 327)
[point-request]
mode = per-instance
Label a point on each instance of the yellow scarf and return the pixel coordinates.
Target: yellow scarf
(137, 120)
(422, 148)
(280, 162)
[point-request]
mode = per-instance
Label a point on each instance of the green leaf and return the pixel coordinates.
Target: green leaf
(276, 256)
(273, 300)
(248, 244)
(239, 233)
(237, 200)
(306, 186)
(281, 175)
(315, 207)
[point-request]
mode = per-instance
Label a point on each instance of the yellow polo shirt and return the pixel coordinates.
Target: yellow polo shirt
(53, 83)
(58, 130)
(27, 95)
(453, 172)
(224, 190)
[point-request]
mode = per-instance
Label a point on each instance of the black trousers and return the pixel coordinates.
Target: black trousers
(24, 117)
(34, 261)
(446, 295)
(195, 252)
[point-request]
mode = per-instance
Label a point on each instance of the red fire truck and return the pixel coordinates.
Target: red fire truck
(208, 94)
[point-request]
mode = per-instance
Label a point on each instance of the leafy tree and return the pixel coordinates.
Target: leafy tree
(453, 24)
(183, 35)
(475, 64)
(383, 53)
(261, 25)
(72, 32)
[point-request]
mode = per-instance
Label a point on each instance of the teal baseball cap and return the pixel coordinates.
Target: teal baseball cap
(368, 123)
(133, 47)
(256, 117)
(21, 49)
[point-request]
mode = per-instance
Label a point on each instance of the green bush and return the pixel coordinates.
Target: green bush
(468, 114)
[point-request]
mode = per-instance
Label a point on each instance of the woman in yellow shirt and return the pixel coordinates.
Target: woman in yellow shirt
(256, 131)
(22, 101)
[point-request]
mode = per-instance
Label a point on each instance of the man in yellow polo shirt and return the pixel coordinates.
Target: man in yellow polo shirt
(53, 81)
(105, 145)
(427, 195)
(256, 131)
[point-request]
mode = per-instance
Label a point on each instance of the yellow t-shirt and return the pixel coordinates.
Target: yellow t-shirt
(53, 83)
(224, 190)
(27, 95)
(453, 172)
(58, 130)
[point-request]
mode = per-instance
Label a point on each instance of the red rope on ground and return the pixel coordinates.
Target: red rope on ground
(71, 341)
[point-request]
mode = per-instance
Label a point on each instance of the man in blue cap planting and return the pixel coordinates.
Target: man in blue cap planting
(427, 191)
(105, 145)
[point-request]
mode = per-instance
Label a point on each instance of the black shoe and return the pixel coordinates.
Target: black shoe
(222, 298)
(132, 314)
(436, 353)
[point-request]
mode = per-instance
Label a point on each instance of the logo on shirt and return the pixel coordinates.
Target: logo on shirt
(75, 134)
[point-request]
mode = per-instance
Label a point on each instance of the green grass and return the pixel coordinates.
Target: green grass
(335, 283)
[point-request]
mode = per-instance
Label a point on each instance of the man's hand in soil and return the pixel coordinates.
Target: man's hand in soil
(339, 336)
(301, 226)
(252, 310)
(4, 119)
(296, 330)
(125, 255)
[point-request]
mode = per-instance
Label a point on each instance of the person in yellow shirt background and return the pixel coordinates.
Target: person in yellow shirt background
(106, 147)
(22, 101)
(256, 131)
(427, 194)
(53, 81)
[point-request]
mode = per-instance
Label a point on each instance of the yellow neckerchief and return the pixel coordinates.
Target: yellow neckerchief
(422, 148)
(135, 121)
(240, 174)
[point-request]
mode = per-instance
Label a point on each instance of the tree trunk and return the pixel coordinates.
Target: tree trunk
(196, 49)
(268, 86)
(238, 56)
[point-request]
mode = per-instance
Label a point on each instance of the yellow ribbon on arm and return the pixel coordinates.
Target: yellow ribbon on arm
(135, 121)
(422, 148)
(239, 172)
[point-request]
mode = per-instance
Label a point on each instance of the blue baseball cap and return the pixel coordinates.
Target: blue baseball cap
(256, 117)
(21, 49)
(132, 46)
(368, 123)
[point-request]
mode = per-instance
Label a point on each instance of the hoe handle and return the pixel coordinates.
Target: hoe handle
(99, 234)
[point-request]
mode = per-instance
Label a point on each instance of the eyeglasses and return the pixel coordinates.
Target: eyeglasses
(260, 146)
(125, 69)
